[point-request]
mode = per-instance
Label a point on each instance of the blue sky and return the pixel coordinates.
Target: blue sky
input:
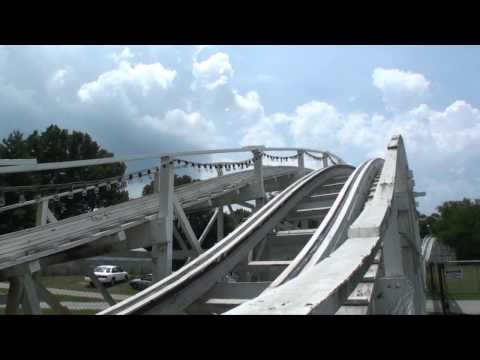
(347, 99)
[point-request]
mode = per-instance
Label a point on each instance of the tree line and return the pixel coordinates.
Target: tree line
(56, 144)
(456, 224)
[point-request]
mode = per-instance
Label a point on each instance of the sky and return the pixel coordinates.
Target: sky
(349, 100)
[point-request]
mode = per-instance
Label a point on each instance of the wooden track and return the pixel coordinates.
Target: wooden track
(38, 242)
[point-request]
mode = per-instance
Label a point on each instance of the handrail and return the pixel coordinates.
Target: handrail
(116, 159)
(13, 162)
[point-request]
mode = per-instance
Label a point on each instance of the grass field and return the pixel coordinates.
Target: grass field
(51, 312)
(456, 296)
(67, 298)
(78, 283)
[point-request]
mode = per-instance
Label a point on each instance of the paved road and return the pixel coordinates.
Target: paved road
(84, 294)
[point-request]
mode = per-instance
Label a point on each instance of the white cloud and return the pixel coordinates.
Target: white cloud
(401, 90)
(191, 127)
(125, 54)
(58, 78)
(249, 105)
(265, 132)
(135, 114)
(213, 72)
(313, 120)
(457, 128)
(436, 141)
(198, 49)
(141, 76)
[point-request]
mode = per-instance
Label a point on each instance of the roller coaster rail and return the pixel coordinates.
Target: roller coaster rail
(336, 240)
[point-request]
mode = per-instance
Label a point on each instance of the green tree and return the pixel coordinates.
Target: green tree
(177, 181)
(459, 227)
(426, 223)
(52, 145)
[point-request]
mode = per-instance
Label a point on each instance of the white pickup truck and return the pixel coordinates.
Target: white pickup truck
(108, 274)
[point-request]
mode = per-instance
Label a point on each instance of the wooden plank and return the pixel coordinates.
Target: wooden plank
(361, 295)
(78, 226)
(49, 298)
(225, 302)
(187, 228)
(209, 225)
(352, 310)
(232, 290)
(13, 162)
(179, 238)
(15, 294)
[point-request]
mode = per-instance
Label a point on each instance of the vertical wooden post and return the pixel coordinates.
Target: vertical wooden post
(325, 160)
(30, 301)
(220, 216)
(42, 213)
(260, 188)
(301, 159)
(15, 293)
(161, 230)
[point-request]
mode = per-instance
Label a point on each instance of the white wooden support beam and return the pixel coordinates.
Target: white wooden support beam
(105, 294)
(185, 224)
(30, 300)
(156, 182)
(15, 293)
(205, 232)
(392, 249)
(41, 216)
(161, 231)
(325, 160)
(13, 162)
(260, 187)
(220, 224)
(232, 214)
(44, 214)
(49, 298)
(50, 217)
(179, 239)
(301, 159)
(396, 296)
